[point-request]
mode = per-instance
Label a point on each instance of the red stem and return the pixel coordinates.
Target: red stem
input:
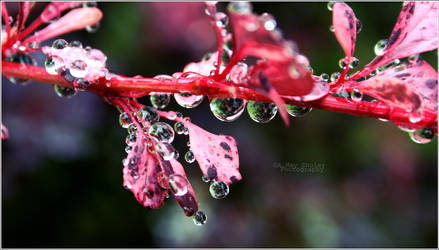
(207, 86)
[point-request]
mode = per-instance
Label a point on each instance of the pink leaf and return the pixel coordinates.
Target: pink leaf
(410, 87)
(217, 155)
(345, 27)
(74, 20)
(320, 89)
(415, 31)
(141, 172)
(54, 9)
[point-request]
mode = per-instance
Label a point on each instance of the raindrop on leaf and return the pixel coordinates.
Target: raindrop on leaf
(178, 184)
(219, 189)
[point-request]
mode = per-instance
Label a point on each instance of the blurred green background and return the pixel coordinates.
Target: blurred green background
(62, 171)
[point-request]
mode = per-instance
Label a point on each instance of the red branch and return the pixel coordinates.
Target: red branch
(207, 86)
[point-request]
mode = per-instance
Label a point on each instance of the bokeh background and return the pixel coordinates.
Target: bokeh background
(62, 171)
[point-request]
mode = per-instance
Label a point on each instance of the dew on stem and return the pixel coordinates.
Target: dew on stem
(188, 100)
(422, 136)
(124, 120)
(261, 112)
(298, 111)
(227, 109)
(63, 91)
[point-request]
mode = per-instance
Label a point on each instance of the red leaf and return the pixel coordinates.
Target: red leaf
(345, 27)
(410, 87)
(415, 31)
(140, 174)
(217, 155)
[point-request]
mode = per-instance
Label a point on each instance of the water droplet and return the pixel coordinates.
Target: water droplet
(205, 179)
(221, 19)
(23, 59)
(406, 129)
(75, 44)
(359, 26)
(200, 217)
(160, 100)
(33, 45)
(227, 109)
(176, 155)
(189, 157)
(242, 8)
(342, 63)
(330, 5)
(356, 95)
(97, 58)
(383, 120)
(63, 91)
(268, 21)
(334, 77)
(124, 120)
(132, 128)
(166, 150)
(179, 128)
(331, 28)
(188, 100)
(297, 111)
(54, 65)
(354, 63)
(415, 117)
(380, 46)
(128, 149)
(178, 184)
(131, 139)
(219, 189)
(238, 73)
(81, 83)
(422, 136)
(162, 131)
(59, 44)
(324, 77)
(92, 28)
(414, 58)
(261, 112)
(148, 114)
(78, 69)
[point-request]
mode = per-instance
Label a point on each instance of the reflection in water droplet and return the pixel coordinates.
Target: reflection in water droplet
(356, 95)
(200, 217)
(124, 120)
(261, 112)
(162, 131)
(188, 100)
(148, 114)
(422, 136)
(62, 91)
(227, 109)
(189, 157)
(160, 100)
(178, 184)
(219, 189)
(54, 65)
(380, 46)
(297, 111)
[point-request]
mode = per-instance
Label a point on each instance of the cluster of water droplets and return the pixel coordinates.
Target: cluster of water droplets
(78, 65)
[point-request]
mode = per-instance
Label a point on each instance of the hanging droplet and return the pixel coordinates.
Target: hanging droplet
(330, 5)
(78, 69)
(178, 184)
(406, 129)
(54, 65)
(422, 136)
(354, 63)
(22, 59)
(128, 149)
(124, 120)
(359, 26)
(200, 217)
(331, 28)
(179, 128)
(166, 150)
(219, 189)
(132, 128)
(297, 111)
(162, 131)
(380, 46)
(148, 114)
(176, 155)
(261, 112)
(205, 179)
(356, 95)
(189, 157)
(268, 21)
(59, 44)
(221, 19)
(334, 77)
(159, 100)
(342, 63)
(188, 100)
(227, 109)
(242, 8)
(131, 139)
(415, 117)
(324, 77)
(63, 91)
(93, 28)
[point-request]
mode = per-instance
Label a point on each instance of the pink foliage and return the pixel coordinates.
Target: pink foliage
(345, 27)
